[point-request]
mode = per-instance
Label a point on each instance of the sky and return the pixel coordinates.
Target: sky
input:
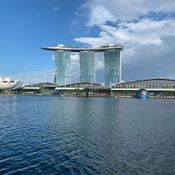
(146, 29)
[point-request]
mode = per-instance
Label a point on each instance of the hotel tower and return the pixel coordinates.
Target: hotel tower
(112, 63)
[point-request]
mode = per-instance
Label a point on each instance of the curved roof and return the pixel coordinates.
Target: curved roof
(77, 49)
(153, 81)
(7, 83)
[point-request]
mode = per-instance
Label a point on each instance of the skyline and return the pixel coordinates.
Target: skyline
(144, 28)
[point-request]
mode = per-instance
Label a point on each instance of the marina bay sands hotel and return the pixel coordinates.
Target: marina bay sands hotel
(112, 63)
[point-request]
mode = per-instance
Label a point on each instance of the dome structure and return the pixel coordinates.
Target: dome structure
(142, 94)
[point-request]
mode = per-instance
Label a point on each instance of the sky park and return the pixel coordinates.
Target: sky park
(87, 86)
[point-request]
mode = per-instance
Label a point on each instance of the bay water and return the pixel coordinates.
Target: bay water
(78, 135)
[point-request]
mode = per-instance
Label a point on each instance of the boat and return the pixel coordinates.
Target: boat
(8, 83)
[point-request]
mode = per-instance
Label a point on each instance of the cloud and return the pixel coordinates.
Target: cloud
(150, 60)
(143, 32)
(144, 28)
(96, 18)
(124, 10)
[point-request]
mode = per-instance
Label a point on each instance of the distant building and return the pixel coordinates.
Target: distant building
(112, 59)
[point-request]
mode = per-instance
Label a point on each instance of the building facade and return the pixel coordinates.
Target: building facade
(87, 66)
(62, 67)
(112, 62)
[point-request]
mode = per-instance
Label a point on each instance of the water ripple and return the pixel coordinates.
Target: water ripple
(86, 136)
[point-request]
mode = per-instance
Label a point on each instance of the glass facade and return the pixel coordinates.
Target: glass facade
(87, 66)
(62, 67)
(112, 66)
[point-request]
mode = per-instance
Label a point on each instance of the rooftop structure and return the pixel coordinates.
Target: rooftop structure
(77, 49)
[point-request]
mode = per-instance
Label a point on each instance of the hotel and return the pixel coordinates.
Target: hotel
(112, 63)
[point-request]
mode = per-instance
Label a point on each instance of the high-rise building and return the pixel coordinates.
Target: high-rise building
(87, 66)
(112, 66)
(112, 62)
(62, 67)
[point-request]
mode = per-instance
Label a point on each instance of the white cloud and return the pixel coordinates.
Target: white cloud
(124, 10)
(142, 32)
(150, 60)
(96, 17)
(145, 28)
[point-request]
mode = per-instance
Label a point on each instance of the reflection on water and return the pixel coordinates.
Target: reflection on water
(69, 135)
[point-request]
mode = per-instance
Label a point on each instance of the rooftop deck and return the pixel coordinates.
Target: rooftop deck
(77, 49)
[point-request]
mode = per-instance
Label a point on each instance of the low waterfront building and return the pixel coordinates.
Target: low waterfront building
(156, 87)
(81, 89)
(74, 89)
(45, 88)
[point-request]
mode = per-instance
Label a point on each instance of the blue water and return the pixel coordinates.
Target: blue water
(98, 136)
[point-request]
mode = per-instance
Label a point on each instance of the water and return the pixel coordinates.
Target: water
(72, 136)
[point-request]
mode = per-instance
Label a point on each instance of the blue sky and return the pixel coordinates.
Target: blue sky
(26, 26)
(145, 28)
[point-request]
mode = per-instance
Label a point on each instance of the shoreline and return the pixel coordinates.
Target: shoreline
(58, 95)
